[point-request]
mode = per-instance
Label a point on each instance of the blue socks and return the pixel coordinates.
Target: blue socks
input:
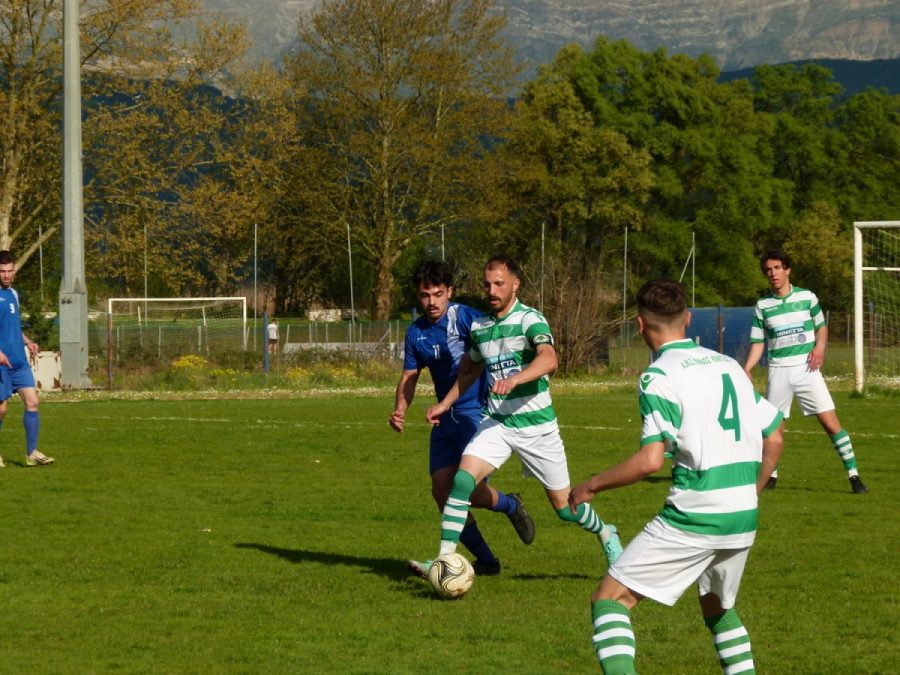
(32, 422)
(504, 504)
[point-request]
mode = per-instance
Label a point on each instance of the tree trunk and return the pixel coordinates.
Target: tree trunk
(382, 290)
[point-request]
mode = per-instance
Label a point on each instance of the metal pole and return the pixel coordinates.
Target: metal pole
(625, 276)
(858, 335)
(543, 227)
(73, 326)
(255, 296)
(41, 260)
(442, 242)
(693, 268)
(350, 261)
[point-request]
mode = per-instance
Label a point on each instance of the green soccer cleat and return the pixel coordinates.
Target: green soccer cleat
(520, 520)
(612, 548)
(38, 458)
(419, 568)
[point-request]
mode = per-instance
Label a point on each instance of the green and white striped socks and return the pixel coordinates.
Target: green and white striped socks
(456, 510)
(613, 637)
(844, 448)
(732, 643)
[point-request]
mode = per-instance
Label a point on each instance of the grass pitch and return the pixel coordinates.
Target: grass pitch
(269, 536)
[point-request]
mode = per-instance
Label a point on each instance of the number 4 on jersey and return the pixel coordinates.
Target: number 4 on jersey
(729, 419)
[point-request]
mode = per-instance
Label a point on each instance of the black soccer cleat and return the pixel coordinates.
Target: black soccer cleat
(486, 569)
(520, 520)
(859, 488)
(770, 484)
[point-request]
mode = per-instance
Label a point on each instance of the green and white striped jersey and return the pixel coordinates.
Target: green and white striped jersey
(703, 406)
(788, 324)
(508, 345)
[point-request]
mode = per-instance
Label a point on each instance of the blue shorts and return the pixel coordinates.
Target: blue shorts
(451, 436)
(21, 377)
(5, 383)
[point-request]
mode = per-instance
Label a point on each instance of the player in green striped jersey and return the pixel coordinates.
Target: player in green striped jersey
(515, 344)
(725, 439)
(789, 320)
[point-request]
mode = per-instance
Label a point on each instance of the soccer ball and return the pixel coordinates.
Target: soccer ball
(451, 575)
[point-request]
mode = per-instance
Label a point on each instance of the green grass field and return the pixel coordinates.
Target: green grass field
(176, 536)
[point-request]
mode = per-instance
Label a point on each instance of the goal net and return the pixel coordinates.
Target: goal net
(876, 296)
(161, 329)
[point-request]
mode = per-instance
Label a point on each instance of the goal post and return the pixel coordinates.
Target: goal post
(876, 302)
(154, 329)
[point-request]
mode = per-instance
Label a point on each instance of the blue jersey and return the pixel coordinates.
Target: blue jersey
(439, 346)
(11, 342)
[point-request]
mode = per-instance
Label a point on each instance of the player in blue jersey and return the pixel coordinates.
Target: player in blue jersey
(15, 371)
(437, 340)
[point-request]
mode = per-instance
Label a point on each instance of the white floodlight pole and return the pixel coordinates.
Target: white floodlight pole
(73, 327)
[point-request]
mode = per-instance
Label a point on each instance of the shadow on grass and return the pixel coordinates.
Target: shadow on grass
(547, 577)
(387, 567)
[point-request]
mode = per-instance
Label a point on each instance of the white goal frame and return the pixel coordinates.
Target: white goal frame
(145, 301)
(858, 315)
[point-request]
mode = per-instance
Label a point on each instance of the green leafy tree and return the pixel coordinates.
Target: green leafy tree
(113, 35)
(402, 99)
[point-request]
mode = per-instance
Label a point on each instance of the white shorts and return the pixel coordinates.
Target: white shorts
(542, 456)
(786, 382)
(660, 564)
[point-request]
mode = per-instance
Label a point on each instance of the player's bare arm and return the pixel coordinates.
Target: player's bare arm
(544, 363)
(406, 391)
(4, 361)
(469, 371)
(817, 356)
(646, 461)
(772, 445)
(754, 354)
(33, 347)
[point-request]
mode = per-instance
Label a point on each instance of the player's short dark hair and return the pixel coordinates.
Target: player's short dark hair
(774, 254)
(662, 301)
(507, 262)
(433, 273)
(6, 258)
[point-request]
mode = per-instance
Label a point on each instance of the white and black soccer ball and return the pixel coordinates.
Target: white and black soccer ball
(451, 575)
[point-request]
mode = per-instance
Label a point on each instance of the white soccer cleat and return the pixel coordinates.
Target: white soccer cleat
(38, 458)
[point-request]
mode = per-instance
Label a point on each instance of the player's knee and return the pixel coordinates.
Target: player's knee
(463, 483)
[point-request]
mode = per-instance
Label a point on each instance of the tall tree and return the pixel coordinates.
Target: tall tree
(402, 99)
(113, 34)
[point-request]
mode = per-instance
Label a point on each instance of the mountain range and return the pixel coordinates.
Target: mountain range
(738, 33)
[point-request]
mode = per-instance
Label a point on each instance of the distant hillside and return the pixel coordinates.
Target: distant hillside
(737, 33)
(854, 76)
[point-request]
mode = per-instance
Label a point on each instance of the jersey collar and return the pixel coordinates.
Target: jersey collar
(685, 343)
(499, 319)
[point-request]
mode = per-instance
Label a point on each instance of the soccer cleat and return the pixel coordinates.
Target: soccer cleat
(419, 568)
(612, 548)
(770, 484)
(520, 520)
(486, 569)
(858, 486)
(2, 465)
(38, 458)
